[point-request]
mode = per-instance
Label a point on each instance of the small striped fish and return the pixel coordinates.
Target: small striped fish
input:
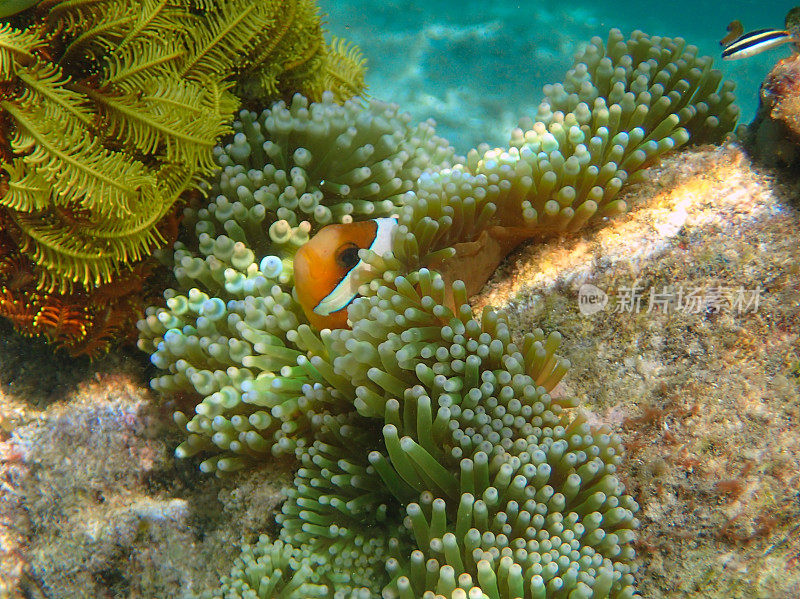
(756, 42)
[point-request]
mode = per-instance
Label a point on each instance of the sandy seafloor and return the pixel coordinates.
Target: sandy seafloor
(93, 504)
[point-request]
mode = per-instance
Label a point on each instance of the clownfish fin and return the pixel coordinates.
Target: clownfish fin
(340, 297)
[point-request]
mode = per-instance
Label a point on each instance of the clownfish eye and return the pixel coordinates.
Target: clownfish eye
(347, 256)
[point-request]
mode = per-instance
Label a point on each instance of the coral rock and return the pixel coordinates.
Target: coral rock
(774, 134)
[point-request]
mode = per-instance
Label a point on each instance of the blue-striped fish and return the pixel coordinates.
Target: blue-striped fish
(326, 268)
(755, 42)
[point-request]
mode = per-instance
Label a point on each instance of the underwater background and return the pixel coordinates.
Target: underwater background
(625, 345)
(476, 67)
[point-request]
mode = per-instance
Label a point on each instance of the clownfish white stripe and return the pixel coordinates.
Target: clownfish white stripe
(756, 42)
(346, 291)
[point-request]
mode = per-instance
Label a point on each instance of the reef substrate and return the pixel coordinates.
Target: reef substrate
(706, 399)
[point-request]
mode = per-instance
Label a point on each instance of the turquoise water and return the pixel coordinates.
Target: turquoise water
(476, 67)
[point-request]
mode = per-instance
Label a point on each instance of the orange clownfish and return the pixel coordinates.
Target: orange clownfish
(325, 268)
